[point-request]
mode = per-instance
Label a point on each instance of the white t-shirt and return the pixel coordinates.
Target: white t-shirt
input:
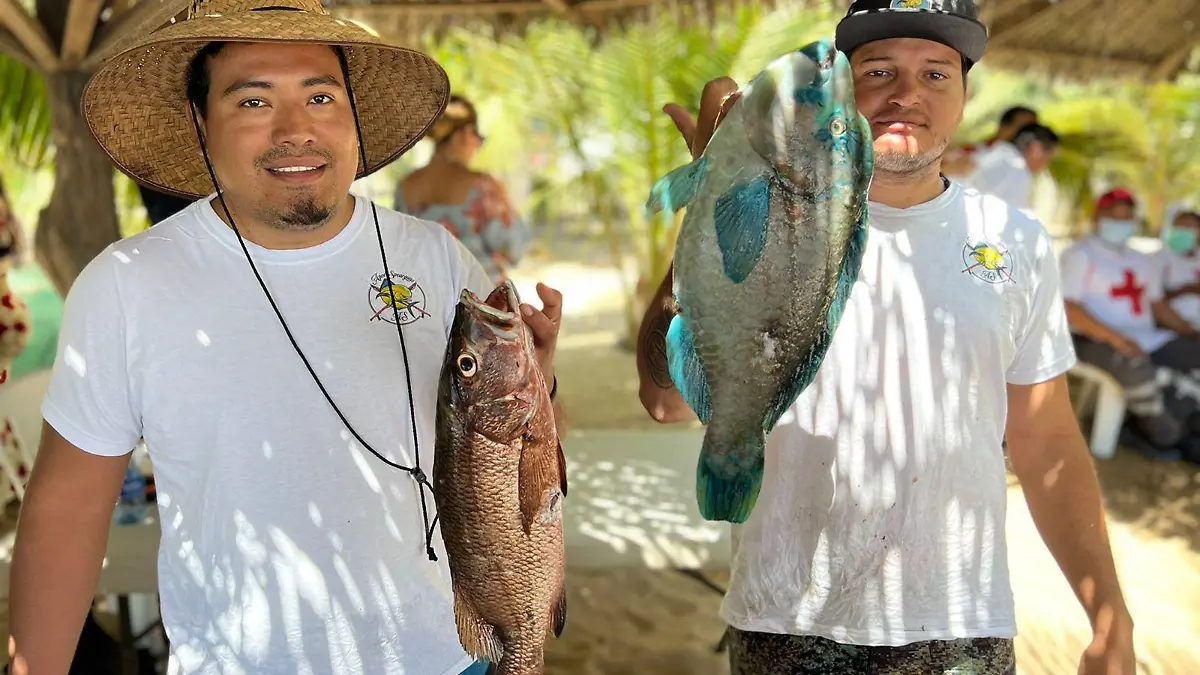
(881, 515)
(1181, 271)
(1002, 172)
(1117, 287)
(287, 548)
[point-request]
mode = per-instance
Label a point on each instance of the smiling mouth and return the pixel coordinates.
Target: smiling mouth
(296, 169)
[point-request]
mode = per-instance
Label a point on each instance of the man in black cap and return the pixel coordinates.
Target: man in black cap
(877, 542)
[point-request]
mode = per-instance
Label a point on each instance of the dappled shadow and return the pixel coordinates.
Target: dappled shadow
(632, 500)
(1161, 497)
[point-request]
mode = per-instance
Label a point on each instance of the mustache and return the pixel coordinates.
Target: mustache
(276, 154)
(905, 115)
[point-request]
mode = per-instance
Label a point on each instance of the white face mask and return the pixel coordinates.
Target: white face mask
(1116, 232)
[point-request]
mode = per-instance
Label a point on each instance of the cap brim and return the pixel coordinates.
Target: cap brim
(966, 36)
(136, 105)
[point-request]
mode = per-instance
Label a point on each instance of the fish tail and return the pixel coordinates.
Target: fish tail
(729, 474)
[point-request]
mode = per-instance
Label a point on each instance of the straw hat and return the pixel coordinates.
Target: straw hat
(136, 105)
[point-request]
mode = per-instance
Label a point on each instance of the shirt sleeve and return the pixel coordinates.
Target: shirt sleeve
(1045, 349)
(91, 401)
(1156, 273)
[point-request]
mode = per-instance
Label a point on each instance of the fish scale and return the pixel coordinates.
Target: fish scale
(499, 479)
(765, 260)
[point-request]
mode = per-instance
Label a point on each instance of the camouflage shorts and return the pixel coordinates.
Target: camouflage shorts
(772, 654)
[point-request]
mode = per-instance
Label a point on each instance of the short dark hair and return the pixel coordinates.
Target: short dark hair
(1035, 133)
(1014, 112)
(198, 80)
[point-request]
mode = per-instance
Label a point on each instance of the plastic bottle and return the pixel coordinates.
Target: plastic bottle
(131, 507)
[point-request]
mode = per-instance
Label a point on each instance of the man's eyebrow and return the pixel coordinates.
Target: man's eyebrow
(888, 59)
(242, 85)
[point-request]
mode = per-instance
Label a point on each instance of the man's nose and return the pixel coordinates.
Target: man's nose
(905, 92)
(293, 126)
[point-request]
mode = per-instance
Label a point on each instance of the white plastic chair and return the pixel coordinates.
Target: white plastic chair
(1105, 397)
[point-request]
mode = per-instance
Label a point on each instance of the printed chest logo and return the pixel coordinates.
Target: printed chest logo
(911, 4)
(399, 296)
(987, 263)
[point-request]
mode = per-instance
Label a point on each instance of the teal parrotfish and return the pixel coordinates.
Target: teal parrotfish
(766, 257)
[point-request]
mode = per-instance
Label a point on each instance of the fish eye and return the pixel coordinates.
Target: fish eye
(837, 127)
(467, 365)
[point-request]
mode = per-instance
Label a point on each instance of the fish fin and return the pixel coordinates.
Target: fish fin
(687, 372)
(493, 668)
(536, 477)
(478, 637)
(787, 394)
(558, 613)
(562, 469)
(740, 216)
(729, 474)
(678, 188)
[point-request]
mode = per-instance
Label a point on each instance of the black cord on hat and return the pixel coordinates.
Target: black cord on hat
(415, 471)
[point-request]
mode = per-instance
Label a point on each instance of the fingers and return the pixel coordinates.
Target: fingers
(712, 101)
(544, 322)
(683, 120)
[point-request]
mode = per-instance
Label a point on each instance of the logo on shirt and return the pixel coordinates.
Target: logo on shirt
(911, 4)
(401, 296)
(987, 263)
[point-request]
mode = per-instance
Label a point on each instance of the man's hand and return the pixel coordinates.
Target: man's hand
(1111, 650)
(1128, 348)
(718, 97)
(544, 325)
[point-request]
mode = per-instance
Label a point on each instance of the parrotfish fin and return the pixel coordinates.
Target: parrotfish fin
(676, 189)
(686, 370)
(807, 372)
(740, 217)
(562, 469)
(538, 475)
(729, 474)
(478, 637)
(558, 613)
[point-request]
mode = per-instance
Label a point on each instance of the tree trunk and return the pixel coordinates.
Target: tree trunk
(81, 218)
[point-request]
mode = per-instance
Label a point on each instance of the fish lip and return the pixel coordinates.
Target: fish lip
(473, 302)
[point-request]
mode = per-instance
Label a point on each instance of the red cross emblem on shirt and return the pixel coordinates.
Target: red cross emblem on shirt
(1130, 290)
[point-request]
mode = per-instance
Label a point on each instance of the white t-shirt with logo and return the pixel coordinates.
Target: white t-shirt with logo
(287, 548)
(1117, 286)
(1003, 172)
(881, 516)
(1183, 270)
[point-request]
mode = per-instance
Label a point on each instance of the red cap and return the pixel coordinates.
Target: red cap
(1117, 196)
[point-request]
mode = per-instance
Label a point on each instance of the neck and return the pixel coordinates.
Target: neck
(281, 237)
(907, 190)
(448, 157)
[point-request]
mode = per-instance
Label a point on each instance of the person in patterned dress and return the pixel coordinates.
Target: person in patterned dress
(14, 315)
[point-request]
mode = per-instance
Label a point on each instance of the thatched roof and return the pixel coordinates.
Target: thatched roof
(1143, 39)
(1085, 39)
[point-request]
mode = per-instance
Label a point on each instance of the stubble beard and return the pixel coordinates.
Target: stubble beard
(906, 166)
(304, 214)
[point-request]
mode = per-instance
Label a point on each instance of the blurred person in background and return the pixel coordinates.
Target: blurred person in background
(14, 315)
(962, 161)
(1122, 323)
(1008, 169)
(1182, 278)
(471, 204)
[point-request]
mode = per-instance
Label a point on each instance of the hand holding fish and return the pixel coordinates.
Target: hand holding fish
(718, 97)
(544, 324)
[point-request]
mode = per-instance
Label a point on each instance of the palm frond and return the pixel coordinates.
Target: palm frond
(24, 114)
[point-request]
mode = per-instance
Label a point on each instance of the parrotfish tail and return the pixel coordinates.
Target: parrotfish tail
(678, 188)
(790, 391)
(741, 220)
(729, 474)
(686, 370)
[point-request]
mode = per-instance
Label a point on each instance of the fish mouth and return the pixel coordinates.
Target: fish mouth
(502, 304)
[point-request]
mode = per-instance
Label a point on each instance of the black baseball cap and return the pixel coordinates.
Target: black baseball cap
(954, 23)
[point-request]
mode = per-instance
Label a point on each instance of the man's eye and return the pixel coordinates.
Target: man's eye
(253, 103)
(322, 98)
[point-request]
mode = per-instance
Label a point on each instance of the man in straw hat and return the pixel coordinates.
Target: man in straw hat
(297, 527)
(877, 546)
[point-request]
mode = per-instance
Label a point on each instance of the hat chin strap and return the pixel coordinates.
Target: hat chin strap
(415, 471)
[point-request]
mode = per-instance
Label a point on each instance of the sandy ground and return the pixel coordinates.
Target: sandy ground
(637, 617)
